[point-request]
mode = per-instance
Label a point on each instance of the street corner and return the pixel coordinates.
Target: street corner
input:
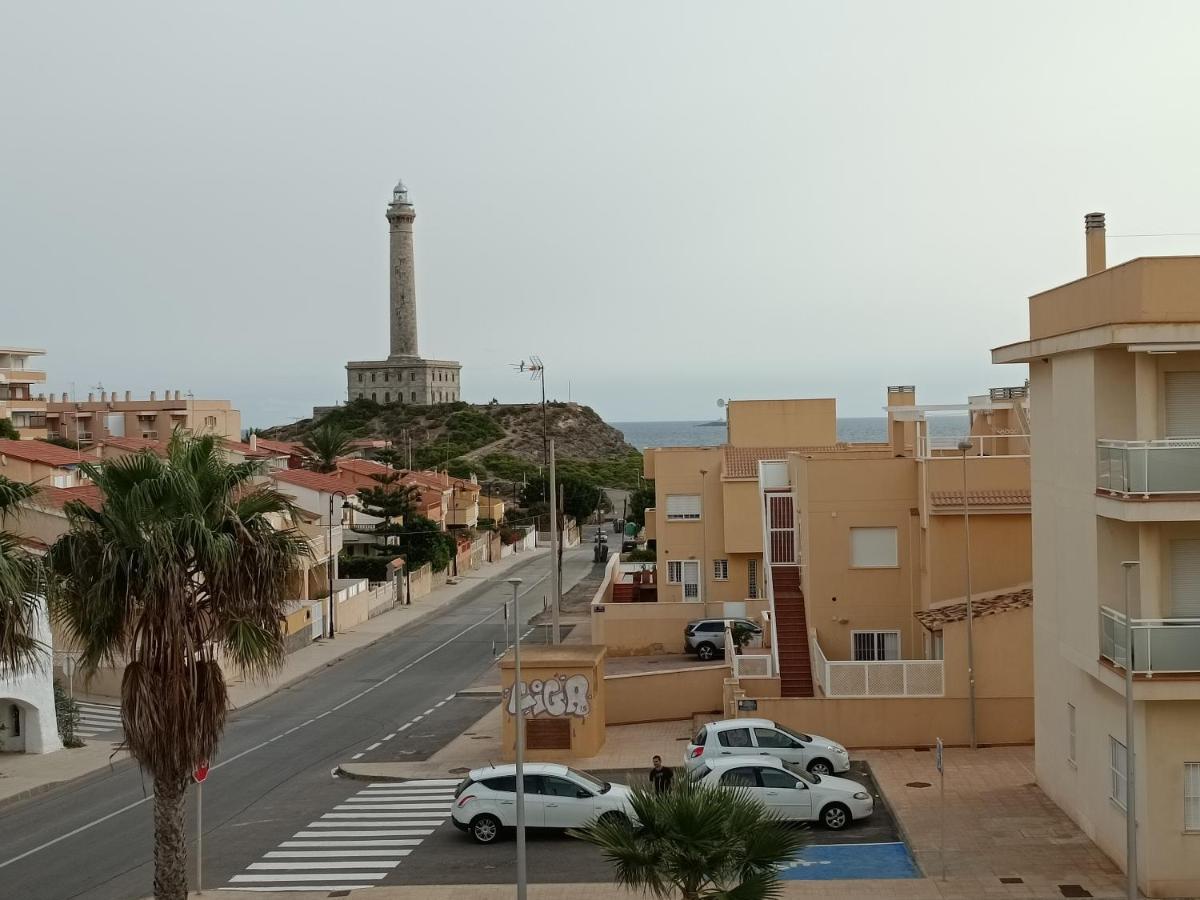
(836, 862)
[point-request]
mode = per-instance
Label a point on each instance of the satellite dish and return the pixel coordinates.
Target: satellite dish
(720, 403)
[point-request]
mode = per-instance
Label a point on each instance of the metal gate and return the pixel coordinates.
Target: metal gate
(781, 528)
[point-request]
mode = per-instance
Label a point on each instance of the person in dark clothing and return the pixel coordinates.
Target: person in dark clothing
(660, 776)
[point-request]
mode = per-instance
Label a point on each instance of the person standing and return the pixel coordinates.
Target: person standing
(660, 776)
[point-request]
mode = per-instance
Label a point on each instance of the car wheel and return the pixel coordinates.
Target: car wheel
(706, 651)
(820, 767)
(835, 817)
(485, 829)
(612, 817)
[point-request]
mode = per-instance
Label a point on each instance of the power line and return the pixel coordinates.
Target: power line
(1159, 234)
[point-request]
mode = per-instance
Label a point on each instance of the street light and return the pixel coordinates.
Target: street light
(519, 716)
(1131, 888)
(329, 563)
(965, 445)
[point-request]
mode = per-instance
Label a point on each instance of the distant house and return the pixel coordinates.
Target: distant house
(34, 462)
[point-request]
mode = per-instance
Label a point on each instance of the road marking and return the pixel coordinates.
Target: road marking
(374, 746)
(357, 756)
(347, 806)
(417, 719)
(297, 865)
(390, 736)
(439, 703)
(428, 712)
(285, 854)
(452, 696)
(377, 815)
(348, 876)
(422, 782)
(405, 726)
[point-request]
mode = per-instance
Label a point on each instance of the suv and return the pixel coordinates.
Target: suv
(762, 737)
(555, 797)
(706, 637)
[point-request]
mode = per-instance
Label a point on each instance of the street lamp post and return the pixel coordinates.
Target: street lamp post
(1131, 879)
(332, 561)
(965, 446)
(519, 723)
(555, 554)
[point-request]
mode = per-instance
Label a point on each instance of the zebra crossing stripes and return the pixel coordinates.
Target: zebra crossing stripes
(97, 718)
(355, 845)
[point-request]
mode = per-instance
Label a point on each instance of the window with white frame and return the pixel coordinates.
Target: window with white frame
(721, 569)
(1191, 796)
(937, 645)
(1071, 733)
(674, 571)
(1119, 766)
(752, 579)
(875, 646)
(683, 507)
(874, 548)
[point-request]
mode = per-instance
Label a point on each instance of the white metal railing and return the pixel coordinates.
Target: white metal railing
(929, 446)
(884, 678)
(1160, 646)
(1168, 466)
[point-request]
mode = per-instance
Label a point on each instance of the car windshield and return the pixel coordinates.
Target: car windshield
(698, 740)
(798, 735)
(466, 783)
(600, 787)
(801, 772)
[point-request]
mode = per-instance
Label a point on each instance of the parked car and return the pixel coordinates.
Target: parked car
(555, 797)
(764, 738)
(706, 637)
(791, 791)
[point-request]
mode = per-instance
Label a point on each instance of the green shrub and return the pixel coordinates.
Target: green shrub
(373, 568)
(645, 556)
(66, 712)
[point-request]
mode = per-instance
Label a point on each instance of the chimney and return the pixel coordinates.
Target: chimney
(104, 396)
(52, 398)
(152, 395)
(128, 396)
(1093, 233)
(66, 397)
(253, 442)
(177, 395)
(91, 397)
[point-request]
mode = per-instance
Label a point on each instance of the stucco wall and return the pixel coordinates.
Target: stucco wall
(1003, 656)
(644, 629)
(782, 423)
(33, 693)
(661, 696)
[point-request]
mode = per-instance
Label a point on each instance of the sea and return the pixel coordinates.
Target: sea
(712, 433)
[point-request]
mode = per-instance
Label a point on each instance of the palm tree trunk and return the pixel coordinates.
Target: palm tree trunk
(170, 840)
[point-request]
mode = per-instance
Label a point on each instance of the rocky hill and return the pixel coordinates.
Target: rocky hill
(495, 440)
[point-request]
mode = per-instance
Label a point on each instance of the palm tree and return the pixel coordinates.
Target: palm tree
(20, 587)
(325, 444)
(698, 842)
(186, 563)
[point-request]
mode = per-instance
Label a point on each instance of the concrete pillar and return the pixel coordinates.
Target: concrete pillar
(403, 285)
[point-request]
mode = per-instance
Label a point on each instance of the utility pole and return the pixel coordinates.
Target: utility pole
(537, 369)
(1131, 877)
(555, 553)
(519, 723)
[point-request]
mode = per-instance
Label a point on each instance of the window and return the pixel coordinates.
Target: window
(360, 377)
(721, 569)
(769, 737)
(372, 377)
(871, 646)
(674, 571)
(1182, 404)
(387, 397)
(685, 507)
(1118, 763)
(1071, 733)
(1185, 580)
(937, 645)
(414, 396)
(873, 548)
(210, 421)
(741, 777)
(16, 720)
(412, 376)
(752, 579)
(734, 737)
(373, 397)
(559, 787)
(777, 778)
(1191, 796)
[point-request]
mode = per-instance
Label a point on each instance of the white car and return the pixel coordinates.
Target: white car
(762, 737)
(794, 793)
(555, 797)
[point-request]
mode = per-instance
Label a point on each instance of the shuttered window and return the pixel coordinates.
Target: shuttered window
(674, 571)
(873, 548)
(721, 569)
(1185, 579)
(683, 506)
(752, 579)
(1183, 404)
(1118, 770)
(875, 646)
(1191, 796)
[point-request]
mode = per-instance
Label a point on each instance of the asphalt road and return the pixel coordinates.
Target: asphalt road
(93, 837)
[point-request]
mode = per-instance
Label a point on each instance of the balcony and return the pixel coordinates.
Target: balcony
(1147, 469)
(883, 678)
(1160, 646)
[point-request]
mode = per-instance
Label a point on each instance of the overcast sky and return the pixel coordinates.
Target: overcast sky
(669, 202)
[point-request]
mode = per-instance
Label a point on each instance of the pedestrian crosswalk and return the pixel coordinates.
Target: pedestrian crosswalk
(96, 719)
(357, 843)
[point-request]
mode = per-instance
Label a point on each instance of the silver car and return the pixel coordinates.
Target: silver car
(706, 637)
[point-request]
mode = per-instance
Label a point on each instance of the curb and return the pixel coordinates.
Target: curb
(900, 829)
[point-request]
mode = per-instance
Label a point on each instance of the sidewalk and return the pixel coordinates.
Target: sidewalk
(24, 775)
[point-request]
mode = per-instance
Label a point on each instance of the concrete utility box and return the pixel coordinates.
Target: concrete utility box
(562, 696)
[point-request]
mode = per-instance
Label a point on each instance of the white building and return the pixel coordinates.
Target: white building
(27, 702)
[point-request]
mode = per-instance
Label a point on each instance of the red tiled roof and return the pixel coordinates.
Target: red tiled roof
(367, 467)
(135, 444)
(328, 482)
(283, 448)
(57, 498)
(935, 618)
(247, 450)
(742, 462)
(42, 452)
(954, 499)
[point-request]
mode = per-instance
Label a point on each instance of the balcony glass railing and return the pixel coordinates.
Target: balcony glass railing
(1145, 468)
(1160, 646)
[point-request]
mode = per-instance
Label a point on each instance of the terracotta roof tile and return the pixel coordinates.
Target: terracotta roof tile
(42, 452)
(952, 499)
(246, 450)
(367, 467)
(283, 448)
(934, 619)
(314, 481)
(57, 498)
(135, 444)
(742, 462)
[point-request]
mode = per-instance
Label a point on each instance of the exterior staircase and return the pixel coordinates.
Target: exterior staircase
(791, 627)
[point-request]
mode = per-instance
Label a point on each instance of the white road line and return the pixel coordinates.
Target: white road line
(394, 842)
(372, 833)
(374, 746)
(293, 866)
(418, 782)
(348, 806)
(418, 718)
(327, 854)
(357, 756)
(390, 736)
(381, 815)
(452, 696)
(346, 876)
(432, 794)
(277, 888)
(428, 712)
(404, 726)
(439, 703)
(73, 832)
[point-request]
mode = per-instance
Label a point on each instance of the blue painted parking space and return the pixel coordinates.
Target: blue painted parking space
(825, 862)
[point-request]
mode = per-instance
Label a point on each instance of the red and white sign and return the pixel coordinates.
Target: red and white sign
(201, 773)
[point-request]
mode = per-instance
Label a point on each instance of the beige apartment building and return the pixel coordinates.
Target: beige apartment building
(24, 407)
(107, 415)
(856, 550)
(1114, 366)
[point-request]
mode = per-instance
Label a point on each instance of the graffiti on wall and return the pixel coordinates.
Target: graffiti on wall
(562, 695)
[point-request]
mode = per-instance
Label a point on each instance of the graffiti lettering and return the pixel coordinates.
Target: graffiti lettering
(559, 696)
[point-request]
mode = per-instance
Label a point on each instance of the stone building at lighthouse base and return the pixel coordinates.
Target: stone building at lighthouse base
(404, 380)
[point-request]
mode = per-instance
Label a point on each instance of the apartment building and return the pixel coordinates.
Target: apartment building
(1114, 367)
(153, 418)
(19, 402)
